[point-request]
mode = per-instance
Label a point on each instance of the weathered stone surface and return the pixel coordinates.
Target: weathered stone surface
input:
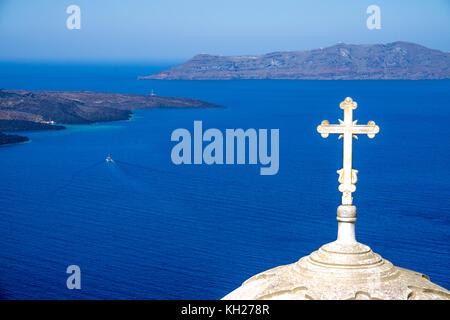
(339, 272)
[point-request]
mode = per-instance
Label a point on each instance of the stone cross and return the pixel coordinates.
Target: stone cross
(348, 129)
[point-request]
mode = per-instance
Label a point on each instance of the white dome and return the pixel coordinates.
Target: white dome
(339, 272)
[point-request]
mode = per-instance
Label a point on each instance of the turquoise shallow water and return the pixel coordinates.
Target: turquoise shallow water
(141, 227)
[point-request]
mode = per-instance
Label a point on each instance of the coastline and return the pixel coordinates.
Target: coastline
(399, 60)
(26, 111)
(16, 143)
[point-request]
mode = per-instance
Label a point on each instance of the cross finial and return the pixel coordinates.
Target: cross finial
(348, 129)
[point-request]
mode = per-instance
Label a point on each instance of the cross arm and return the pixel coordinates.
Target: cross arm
(325, 128)
(371, 129)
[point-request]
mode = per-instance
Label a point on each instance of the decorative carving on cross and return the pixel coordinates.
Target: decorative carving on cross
(348, 129)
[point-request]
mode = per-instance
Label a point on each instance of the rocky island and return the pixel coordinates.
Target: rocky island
(396, 60)
(40, 110)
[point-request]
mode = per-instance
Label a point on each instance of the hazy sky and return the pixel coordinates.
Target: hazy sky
(175, 30)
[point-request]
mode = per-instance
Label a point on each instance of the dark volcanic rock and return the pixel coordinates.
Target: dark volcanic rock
(83, 107)
(397, 60)
(22, 125)
(54, 106)
(11, 138)
(131, 101)
(25, 111)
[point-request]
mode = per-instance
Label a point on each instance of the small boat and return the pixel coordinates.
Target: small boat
(108, 159)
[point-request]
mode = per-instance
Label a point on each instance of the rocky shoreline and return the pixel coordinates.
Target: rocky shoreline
(397, 60)
(40, 110)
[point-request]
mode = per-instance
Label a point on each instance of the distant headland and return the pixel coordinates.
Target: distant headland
(40, 110)
(396, 60)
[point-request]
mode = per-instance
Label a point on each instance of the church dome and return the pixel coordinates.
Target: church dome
(339, 271)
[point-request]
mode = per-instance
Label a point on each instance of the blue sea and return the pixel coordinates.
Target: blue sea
(143, 228)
